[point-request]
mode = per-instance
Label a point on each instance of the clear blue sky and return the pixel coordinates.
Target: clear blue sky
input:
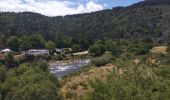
(115, 3)
(61, 7)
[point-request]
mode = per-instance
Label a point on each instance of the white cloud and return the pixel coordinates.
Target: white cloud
(50, 7)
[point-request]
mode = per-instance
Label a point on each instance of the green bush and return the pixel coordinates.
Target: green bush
(134, 84)
(3, 73)
(42, 57)
(97, 49)
(114, 47)
(29, 82)
(76, 47)
(103, 60)
(59, 57)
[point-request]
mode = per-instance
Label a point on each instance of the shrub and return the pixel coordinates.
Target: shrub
(42, 57)
(9, 60)
(134, 84)
(103, 60)
(59, 57)
(76, 47)
(29, 83)
(97, 49)
(114, 47)
(3, 73)
(43, 65)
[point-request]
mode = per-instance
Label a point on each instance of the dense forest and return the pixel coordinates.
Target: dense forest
(147, 18)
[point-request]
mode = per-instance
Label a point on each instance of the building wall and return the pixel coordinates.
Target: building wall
(37, 52)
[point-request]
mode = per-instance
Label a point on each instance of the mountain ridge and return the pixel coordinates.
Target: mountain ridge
(140, 19)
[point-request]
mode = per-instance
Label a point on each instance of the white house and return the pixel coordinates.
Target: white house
(6, 51)
(36, 52)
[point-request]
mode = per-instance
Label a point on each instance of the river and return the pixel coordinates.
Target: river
(62, 69)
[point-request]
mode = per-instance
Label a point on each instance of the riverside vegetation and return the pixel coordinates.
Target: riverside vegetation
(146, 78)
(119, 41)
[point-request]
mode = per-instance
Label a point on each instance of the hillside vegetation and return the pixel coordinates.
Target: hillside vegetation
(147, 18)
(129, 51)
(144, 77)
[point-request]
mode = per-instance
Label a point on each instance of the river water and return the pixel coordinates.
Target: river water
(62, 69)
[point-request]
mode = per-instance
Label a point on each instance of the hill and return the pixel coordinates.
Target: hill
(147, 18)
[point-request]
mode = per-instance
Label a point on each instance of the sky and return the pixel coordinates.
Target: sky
(61, 7)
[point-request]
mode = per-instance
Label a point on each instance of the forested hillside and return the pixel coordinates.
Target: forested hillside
(148, 18)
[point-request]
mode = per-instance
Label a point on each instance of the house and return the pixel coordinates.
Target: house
(6, 51)
(36, 52)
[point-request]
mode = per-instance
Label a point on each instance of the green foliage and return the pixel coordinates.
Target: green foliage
(97, 49)
(59, 57)
(25, 43)
(3, 74)
(84, 29)
(76, 47)
(30, 82)
(9, 57)
(114, 47)
(138, 81)
(41, 57)
(103, 60)
(13, 43)
(147, 40)
(9, 60)
(25, 46)
(50, 45)
(43, 65)
(37, 41)
(139, 48)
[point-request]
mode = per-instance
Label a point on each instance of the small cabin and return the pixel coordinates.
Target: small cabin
(5, 51)
(36, 52)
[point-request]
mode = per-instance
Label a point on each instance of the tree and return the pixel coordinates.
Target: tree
(98, 42)
(76, 47)
(13, 43)
(112, 47)
(2, 41)
(97, 49)
(25, 46)
(37, 41)
(3, 73)
(34, 84)
(9, 60)
(50, 45)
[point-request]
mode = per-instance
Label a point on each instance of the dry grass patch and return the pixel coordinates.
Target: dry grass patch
(160, 49)
(77, 87)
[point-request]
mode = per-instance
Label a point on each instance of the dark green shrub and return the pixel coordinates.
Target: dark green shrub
(97, 49)
(59, 57)
(76, 47)
(29, 83)
(42, 57)
(3, 73)
(9, 60)
(103, 60)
